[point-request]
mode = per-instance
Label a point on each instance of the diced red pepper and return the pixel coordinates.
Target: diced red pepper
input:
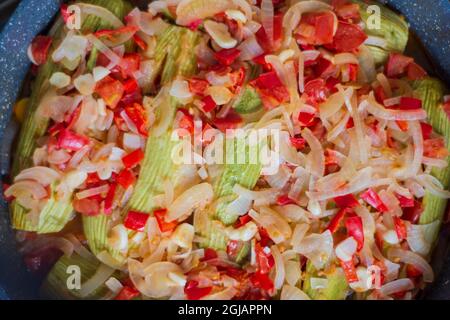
(435, 148)
(412, 214)
(233, 248)
(349, 270)
(65, 14)
(317, 90)
(198, 86)
(227, 56)
(138, 115)
(231, 121)
(243, 220)
(347, 201)
(350, 124)
(140, 42)
(193, 292)
(126, 178)
(404, 201)
(135, 220)
(324, 68)
(130, 85)
(265, 261)
(372, 198)
(261, 60)
(407, 103)
(336, 220)
(71, 141)
(380, 95)
(133, 159)
(195, 24)
(353, 71)
(127, 293)
(403, 125)
(265, 238)
(268, 80)
(39, 49)
(284, 200)
(164, 226)
(348, 11)
(298, 142)
(412, 271)
(129, 64)
(397, 64)
(109, 199)
(208, 104)
(427, 130)
(263, 40)
(400, 228)
(316, 28)
(209, 254)
(354, 228)
(415, 72)
(348, 37)
(262, 281)
(110, 90)
(87, 206)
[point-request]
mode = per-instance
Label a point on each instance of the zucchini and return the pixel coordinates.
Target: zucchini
(248, 101)
(337, 288)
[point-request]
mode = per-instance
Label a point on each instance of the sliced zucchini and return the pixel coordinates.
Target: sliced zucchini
(248, 101)
(337, 288)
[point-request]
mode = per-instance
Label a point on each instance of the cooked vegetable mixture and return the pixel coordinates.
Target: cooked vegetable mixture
(350, 210)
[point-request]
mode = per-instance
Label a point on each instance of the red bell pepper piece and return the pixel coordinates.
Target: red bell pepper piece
(138, 115)
(412, 214)
(298, 142)
(39, 49)
(350, 124)
(109, 199)
(261, 60)
(404, 201)
(140, 42)
(71, 141)
(110, 90)
(415, 72)
(349, 270)
(268, 80)
(133, 159)
(407, 103)
(348, 37)
(403, 125)
(316, 28)
(209, 254)
(262, 281)
(265, 261)
(227, 56)
(126, 178)
(354, 228)
(127, 293)
(397, 64)
(435, 148)
(265, 238)
(164, 226)
(316, 90)
(262, 38)
(347, 201)
(243, 220)
(348, 11)
(306, 119)
(324, 68)
(87, 206)
(284, 200)
(135, 220)
(380, 95)
(372, 198)
(193, 292)
(130, 85)
(400, 228)
(233, 248)
(195, 24)
(427, 130)
(336, 220)
(231, 121)
(129, 64)
(208, 104)
(198, 86)
(412, 271)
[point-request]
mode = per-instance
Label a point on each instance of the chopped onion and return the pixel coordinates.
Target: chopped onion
(290, 292)
(277, 228)
(267, 16)
(71, 48)
(433, 185)
(280, 272)
(293, 271)
(240, 206)
(416, 260)
(85, 84)
(346, 249)
(114, 285)
(387, 114)
(421, 237)
(396, 286)
(59, 80)
(317, 247)
(101, 12)
(100, 72)
(317, 153)
(45, 176)
(180, 90)
(220, 34)
(103, 189)
(318, 283)
(196, 197)
(36, 190)
(345, 58)
(118, 238)
(111, 55)
(189, 11)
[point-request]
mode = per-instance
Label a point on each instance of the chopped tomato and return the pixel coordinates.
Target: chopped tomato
(164, 226)
(39, 49)
(298, 142)
(127, 293)
(71, 141)
(194, 292)
(242, 221)
(435, 148)
(264, 260)
(397, 64)
(349, 270)
(262, 281)
(354, 226)
(87, 206)
(372, 198)
(135, 220)
(227, 56)
(126, 178)
(348, 37)
(198, 86)
(133, 159)
(412, 214)
(138, 115)
(284, 200)
(427, 130)
(231, 121)
(415, 72)
(400, 228)
(109, 199)
(129, 64)
(347, 201)
(110, 90)
(208, 104)
(307, 119)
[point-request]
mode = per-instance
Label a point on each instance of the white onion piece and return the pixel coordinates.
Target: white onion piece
(421, 237)
(180, 90)
(367, 64)
(319, 283)
(101, 12)
(332, 105)
(118, 238)
(58, 157)
(220, 34)
(36, 190)
(114, 285)
(59, 80)
(45, 176)
(267, 16)
(71, 48)
(317, 153)
(226, 294)
(100, 72)
(102, 274)
(131, 141)
(190, 10)
(387, 114)
(385, 84)
(280, 272)
(92, 192)
(433, 185)
(345, 58)
(240, 206)
(317, 247)
(293, 271)
(293, 213)
(299, 233)
(432, 162)
(346, 249)
(196, 197)
(416, 260)
(85, 84)
(376, 41)
(396, 286)
(392, 101)
(290, 292)
(276, 226)
(111, 55)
